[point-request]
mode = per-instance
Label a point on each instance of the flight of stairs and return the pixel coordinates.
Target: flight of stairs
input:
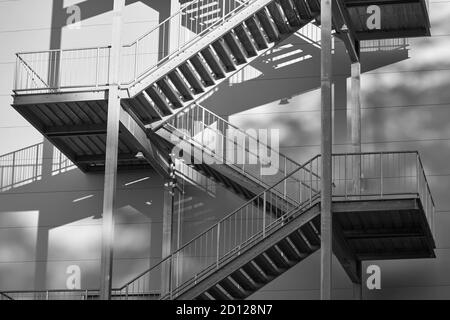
(186, 78)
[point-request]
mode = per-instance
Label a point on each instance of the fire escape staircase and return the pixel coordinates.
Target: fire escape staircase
(279, 225)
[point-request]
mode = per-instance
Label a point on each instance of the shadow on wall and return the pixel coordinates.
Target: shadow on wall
(50, 215)
(49, 208)
(90, 9)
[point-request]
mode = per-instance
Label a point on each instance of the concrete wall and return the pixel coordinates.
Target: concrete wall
(50, 224)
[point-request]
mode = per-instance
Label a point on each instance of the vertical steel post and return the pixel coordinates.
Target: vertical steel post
(218, 243)
(356, 123)
(326, 151)
(167, 234)
(264, 215)
(356, 143)
(112, 142)
(97, 67)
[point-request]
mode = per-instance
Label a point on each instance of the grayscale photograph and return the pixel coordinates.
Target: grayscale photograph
(257, 150)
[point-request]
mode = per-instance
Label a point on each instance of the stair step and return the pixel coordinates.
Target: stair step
(278, 17)
(291, 13)
(189, 73)
(233, 288)
(224, 54)
(278, 258)
(159, 100)
(300, 243)
(219, 293)
(268, 25)
(141, 108)
(245, 281)
(246, 40)
(236, 48)
(311, 233)
(254, 271)
(145, 106)
(314, 6)
(170, 93)
(213, 63)
(291, 250)
(181, 86)
(256, 31)
(202, 70)
(267, 265)
(303, 10)
(145, 99)
(306, 240)
(206, 296)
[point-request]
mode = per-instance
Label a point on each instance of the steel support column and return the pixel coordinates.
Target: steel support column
(356, 123)
(112, 142)
(326, 151)
(167, 236)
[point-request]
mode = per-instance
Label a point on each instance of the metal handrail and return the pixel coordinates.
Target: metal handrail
(193, 112)
(177, 15)
(422, 193)
(236, 4)
(250, 202)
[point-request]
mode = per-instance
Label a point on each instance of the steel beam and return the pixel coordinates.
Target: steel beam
(365, 3)
(112, 142)
(132, 131)
(326, 151)
(80, 130)
(345, 254)
(345, 30)
(389, 34)
(95, 159)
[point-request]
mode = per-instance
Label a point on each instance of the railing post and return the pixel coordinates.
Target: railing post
(217, 246)
(13, 171)
(16, 73)
(381, 174)
(136, 52)
(310, 183)
(418, 174)
(264, 215)
(345, 176)
(60, 64)
(285, 180)
(170, 277)
(97, 67)
(126, 292)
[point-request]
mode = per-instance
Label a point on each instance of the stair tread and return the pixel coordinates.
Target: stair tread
(246, 40)
(213, 63)
(178, 82)
(224, 54)
(202, 70)
(268, 25)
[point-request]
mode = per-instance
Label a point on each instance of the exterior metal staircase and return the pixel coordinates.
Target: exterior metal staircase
(247, 248)
(224, 43)
(199, 48)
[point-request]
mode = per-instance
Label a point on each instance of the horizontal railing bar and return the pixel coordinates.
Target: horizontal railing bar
(63, 50)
